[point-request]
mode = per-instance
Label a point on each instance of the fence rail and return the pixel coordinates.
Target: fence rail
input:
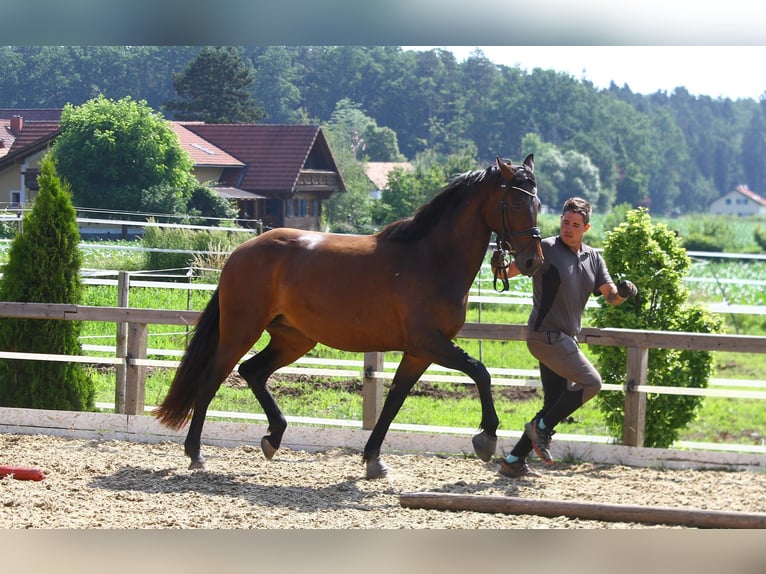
(131, 357)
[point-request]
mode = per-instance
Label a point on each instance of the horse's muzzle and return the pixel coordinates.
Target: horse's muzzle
(529, 265)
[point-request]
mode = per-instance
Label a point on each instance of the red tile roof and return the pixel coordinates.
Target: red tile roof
(750, 194)
(203, 153)
(273, 154)
(33, 132)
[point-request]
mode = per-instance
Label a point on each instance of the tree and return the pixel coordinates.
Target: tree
(111, 152)
(652, 257)
(215, 88)
(408, 190)
(44, 267)
(562, 175)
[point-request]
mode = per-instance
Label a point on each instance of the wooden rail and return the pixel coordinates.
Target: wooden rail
(132, 352)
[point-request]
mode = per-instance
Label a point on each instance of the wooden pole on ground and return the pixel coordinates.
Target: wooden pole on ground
(692, 517)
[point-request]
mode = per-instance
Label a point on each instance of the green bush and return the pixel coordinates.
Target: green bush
(44, 267)
(709, 233)
(651, 256)
(759, 234)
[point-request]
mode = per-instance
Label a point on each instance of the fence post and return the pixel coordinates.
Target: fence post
(635, 401)
(123, 289)
(372, 389)
(135, 383)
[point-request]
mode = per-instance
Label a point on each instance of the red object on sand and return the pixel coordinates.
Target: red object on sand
(22, 472)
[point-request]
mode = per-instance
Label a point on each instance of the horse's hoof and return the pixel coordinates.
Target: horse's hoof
(267, 448)
(197, 464)
(484, 446)
(376, 468)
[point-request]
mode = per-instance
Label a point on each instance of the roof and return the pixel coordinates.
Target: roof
(202, 152)
(274, 155)
(33, 132)
(235, 193)
(377, 171)
(747, 192)
(256, 158)
(34, 136)
(32, 114)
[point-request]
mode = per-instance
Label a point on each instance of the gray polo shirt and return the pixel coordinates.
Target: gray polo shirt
(563, 284)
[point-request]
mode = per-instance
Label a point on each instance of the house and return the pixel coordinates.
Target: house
(278, 174)
(741, 201)
(289, 169)
(22, 145)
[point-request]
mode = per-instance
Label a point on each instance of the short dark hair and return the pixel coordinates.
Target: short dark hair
(578, 205)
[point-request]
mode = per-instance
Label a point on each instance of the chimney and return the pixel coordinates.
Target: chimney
(17, 122)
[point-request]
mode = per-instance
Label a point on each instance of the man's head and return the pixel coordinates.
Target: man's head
(575, 221)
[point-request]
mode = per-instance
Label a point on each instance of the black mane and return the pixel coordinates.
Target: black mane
(427, 216)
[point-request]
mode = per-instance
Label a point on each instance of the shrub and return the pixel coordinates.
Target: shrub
(44, 267)
(709, 233)
(759, 234)
(652, 257)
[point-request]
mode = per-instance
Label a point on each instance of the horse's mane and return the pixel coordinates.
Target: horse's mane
(427, 216)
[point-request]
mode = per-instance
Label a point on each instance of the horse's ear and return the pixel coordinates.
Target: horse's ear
(530, 162)
(505, 168)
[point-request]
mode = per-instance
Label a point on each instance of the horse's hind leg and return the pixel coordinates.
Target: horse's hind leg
(285, 346)
(220, 366)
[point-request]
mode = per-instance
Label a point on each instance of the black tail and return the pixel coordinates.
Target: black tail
(177, 406)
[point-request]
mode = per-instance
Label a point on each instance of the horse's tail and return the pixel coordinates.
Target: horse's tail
(177, 406)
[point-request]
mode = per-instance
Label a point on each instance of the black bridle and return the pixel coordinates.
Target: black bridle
(501, 257)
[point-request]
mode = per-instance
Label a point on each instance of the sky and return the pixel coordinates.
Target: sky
(716, 71)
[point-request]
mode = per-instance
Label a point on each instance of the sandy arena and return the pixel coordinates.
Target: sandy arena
(120, 485)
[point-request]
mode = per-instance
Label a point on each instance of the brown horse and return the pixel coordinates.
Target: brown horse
(404, 289)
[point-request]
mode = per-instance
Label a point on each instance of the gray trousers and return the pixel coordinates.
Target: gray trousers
(569, 379)
(562, 355)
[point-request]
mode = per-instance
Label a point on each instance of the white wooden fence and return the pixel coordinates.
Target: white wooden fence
(131, 355)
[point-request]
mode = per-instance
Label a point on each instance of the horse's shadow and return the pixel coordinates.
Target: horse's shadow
(301, 498)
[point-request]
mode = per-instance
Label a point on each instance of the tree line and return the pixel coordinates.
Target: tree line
(671, 152)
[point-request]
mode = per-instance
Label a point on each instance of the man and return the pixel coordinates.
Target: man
(572, 271)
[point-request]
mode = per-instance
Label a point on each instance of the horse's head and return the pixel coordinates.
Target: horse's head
(516, 221)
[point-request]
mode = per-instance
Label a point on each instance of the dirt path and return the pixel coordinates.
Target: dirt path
(93, 484)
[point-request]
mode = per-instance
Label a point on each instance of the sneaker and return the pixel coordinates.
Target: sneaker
(541, 440)
(516, 469)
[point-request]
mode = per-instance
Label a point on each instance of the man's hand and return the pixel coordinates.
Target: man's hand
(626, 289)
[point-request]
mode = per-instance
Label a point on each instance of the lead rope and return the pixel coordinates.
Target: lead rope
(501, 256)
(499, 262)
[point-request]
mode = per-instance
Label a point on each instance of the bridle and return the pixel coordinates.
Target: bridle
(501, 257)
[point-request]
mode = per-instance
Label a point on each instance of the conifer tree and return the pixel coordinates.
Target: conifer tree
(216, 88)
(44, 267)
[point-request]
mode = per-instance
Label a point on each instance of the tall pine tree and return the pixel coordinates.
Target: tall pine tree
(215, 88)
(44, 267)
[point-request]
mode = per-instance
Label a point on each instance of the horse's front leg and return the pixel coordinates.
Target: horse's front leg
(453, 357)
(406, 376)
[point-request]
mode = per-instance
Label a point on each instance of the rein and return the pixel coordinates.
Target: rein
(501, 256)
